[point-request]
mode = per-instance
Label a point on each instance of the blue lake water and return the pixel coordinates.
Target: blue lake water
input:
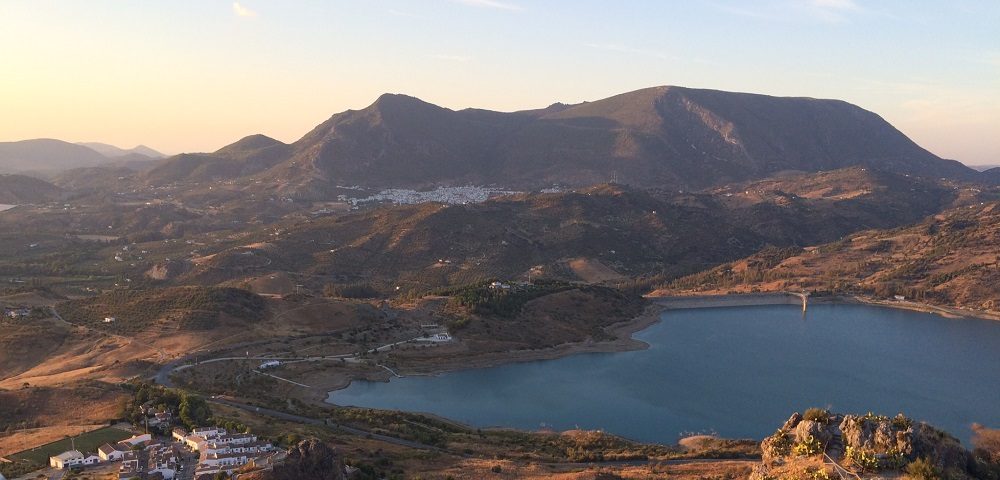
(738, 372)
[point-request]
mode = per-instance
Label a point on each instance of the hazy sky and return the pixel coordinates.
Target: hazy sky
(194, 75)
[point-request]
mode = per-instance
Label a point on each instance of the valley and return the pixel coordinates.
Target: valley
(406, 242)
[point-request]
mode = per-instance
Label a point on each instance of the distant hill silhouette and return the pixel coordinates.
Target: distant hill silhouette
(112, 151)
(46, 155)
(248, 156)
(18, 189)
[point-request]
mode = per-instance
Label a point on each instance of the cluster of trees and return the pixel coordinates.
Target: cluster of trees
(192, 410)
(351, 290)
(481, 299)
(135, 309)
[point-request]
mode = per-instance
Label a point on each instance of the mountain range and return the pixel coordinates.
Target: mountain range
(673, 137)
(46, 156)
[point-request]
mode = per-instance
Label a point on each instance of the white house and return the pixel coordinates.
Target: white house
(137, 439)
(206, 432)
(73, 458)
(270, 364)
(112, 453)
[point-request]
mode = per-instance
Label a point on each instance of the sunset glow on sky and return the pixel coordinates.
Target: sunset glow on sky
(194, 75)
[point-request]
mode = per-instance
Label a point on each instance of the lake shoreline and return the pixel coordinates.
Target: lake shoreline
(694, 301)
(624, 331)
(623, 342)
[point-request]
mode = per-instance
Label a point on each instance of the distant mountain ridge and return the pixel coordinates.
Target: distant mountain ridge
(112, 151)
(662, 136)
(45, 154)
(671, 137)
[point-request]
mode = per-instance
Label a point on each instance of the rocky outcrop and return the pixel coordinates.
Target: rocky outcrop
(865, 443)
(878, 434)
(818, 431)
(309, 460)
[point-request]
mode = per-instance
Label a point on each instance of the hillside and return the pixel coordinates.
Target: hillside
(606, 233)
(170, 309)
(18, 189)
(681, 137)
(949, 259)
(247, 156)
(46, 155)
(674, 137)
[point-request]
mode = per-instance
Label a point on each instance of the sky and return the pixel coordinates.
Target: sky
(195, 75)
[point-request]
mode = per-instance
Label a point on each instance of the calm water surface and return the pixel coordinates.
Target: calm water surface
(738, 372)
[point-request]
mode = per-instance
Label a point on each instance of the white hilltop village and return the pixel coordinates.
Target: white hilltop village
(447, 195)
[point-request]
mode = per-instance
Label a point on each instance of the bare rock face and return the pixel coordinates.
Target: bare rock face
(817, 430)
(878, 434)
(310, 460)
(792, 422)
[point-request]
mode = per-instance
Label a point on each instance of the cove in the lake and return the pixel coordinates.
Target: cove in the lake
(737, 372)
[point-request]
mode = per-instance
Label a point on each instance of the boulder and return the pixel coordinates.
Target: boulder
(877, 434)
(816, 430)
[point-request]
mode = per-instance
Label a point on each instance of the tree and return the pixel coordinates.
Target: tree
(194, 411)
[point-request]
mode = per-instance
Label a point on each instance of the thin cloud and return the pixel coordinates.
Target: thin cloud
(490, 4)
(242, 11)
(400, 13)
(832, 10)
(612, 47)
(835, 4)
(452, 58)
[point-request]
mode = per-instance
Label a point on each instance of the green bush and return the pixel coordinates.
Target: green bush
(863, 458)
(923, 469)
(817, 415)
(811, 446)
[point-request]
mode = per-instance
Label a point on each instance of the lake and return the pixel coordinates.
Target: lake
(737, 372)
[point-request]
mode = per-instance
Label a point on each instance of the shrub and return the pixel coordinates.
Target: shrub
(496, 469)
(810, 446)
(863, 458)
(781, 444)
(816, 474)
(817, 415)
(901, 422)
(923, 469)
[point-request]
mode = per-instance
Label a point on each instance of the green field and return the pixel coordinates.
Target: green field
(85, 442)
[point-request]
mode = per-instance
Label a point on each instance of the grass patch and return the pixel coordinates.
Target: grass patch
(85, 442)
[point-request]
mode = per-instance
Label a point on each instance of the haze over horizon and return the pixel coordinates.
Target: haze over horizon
(194, 76)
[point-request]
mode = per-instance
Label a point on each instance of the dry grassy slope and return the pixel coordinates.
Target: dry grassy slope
(950, 259)
(77, 403)
(627, 231)
(165, 310)
(18, 189)
(245, 157)
(614, 230)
